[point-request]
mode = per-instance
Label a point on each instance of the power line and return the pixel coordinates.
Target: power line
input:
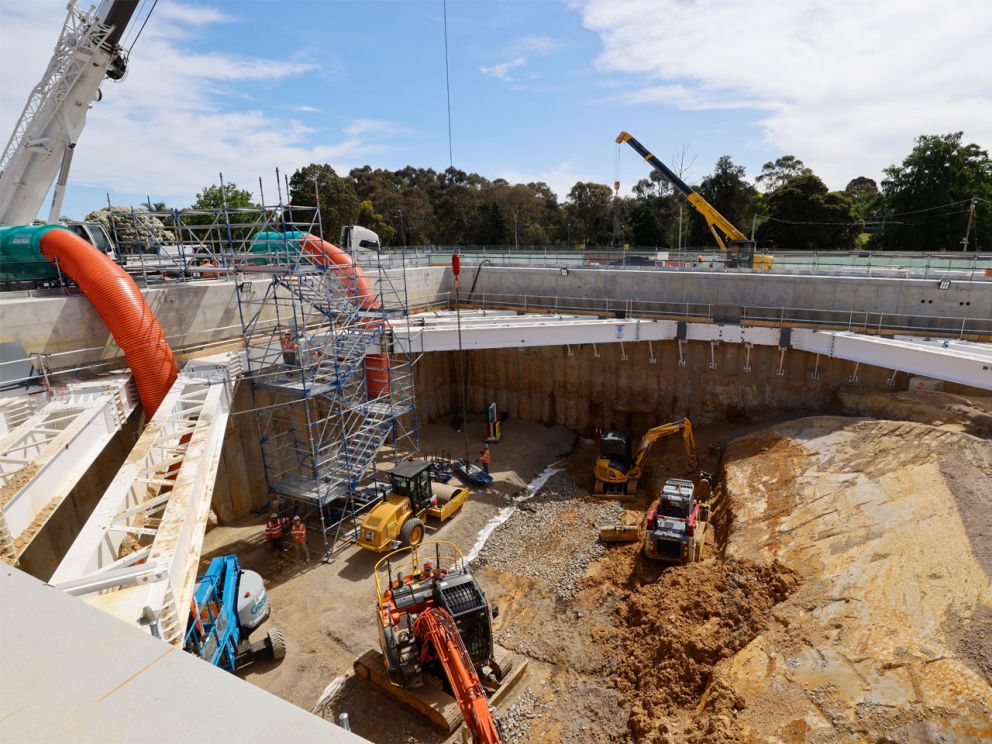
(447, 81)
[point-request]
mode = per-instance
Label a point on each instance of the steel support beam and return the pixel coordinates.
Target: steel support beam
(136, 557)
(962, 362)
(42, 460)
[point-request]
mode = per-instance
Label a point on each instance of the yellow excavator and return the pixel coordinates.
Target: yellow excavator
(398, 520)
(617, 469)
(738, 249)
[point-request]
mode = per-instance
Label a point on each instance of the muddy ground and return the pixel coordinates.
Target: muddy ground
(843, 594)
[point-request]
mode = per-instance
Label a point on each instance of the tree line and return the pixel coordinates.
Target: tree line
(941, 191)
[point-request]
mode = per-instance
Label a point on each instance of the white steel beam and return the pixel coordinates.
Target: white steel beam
(136, 557)
(42, 460)
(962, 362)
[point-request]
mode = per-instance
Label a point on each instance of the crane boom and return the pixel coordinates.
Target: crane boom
(715, 220)
(40, 148)
(437, 625)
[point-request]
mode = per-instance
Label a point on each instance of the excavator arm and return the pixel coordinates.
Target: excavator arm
(437, 626)
(683, 426)
(718, 224)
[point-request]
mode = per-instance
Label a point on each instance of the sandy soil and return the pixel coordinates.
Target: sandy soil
(844, 594)
(887, 638)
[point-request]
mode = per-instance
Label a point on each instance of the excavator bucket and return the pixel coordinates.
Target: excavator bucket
(619, 533)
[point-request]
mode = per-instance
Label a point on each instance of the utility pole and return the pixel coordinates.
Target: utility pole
(402, 228)
(971, 221)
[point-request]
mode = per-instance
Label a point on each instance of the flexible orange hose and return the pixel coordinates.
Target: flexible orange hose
(362, 293)
(117, 298)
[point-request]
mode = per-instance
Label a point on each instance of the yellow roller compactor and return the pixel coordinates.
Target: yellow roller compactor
(398, 520)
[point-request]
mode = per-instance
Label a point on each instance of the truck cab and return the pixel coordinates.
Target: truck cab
(359, 241)
(96, 235)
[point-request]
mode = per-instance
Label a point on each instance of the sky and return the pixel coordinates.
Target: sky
(539, 90)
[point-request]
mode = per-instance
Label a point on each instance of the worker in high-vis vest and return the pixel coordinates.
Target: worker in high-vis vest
(299, 533)
(273, 532)
(484, 459)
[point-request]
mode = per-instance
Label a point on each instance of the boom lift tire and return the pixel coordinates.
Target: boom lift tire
(632, 487)
(277, 643)
(412, 533)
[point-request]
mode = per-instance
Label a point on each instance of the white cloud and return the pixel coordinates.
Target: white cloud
(533, 44)
(304, 109)
(502, 70)
(372, 126)
(844, 85)
(181, 116)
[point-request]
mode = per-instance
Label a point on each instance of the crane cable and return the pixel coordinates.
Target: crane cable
(138, 35)
(447, 81)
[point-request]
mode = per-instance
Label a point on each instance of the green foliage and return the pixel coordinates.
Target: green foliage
(215, 197)
(590, 210)
(339, 204)
(421, 206)
(368, 217)
(775, 173)
(804, 215)
(729, 192)
(864, 195)
(940, 170)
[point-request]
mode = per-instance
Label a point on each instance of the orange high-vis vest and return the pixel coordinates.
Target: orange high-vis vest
(299, 531)
(273, 529)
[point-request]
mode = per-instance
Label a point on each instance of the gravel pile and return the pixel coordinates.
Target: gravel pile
(516, 721)
(552, 538)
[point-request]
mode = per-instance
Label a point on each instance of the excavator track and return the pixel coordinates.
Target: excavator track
(432, 703)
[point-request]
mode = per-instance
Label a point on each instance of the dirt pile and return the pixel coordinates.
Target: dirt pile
(674, 631)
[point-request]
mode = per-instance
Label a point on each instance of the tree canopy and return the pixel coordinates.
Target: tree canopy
(922, 204)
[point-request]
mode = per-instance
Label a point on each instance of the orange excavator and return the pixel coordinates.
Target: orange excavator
(435, 620)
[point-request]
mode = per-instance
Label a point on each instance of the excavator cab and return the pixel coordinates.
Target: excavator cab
(613, 461)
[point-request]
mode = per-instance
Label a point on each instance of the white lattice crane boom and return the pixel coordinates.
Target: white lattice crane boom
(40, 148)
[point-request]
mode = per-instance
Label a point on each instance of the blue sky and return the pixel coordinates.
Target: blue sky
(539, 89)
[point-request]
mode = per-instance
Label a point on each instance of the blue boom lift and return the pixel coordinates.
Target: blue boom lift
(228, 604)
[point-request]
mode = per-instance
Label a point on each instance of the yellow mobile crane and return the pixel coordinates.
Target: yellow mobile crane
(735, 245)
(617, 470)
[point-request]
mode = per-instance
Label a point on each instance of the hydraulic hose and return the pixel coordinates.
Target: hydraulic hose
(117, 298)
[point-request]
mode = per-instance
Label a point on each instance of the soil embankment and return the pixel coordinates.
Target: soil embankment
(887, 638)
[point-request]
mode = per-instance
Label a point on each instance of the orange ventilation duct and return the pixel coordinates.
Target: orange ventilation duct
(119, 302)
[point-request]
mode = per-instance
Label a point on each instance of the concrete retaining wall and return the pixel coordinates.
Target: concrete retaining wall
(728, 293)
(192, 314)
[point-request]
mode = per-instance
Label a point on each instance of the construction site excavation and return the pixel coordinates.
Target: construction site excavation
(263, 476)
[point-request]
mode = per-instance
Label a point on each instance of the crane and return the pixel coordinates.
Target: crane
(39, 151)
(726, 234)
(616, 470)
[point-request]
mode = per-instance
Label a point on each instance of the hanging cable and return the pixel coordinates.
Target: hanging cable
(447, 81)
(138, 36)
